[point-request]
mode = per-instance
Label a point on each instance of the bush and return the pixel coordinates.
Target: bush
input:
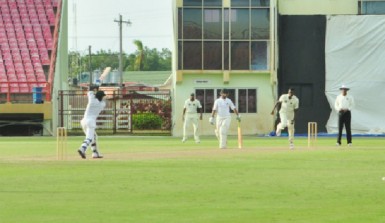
(146, 121)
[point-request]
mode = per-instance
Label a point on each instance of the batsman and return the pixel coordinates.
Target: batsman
(288, 104)
(222, 107)
(95, 105)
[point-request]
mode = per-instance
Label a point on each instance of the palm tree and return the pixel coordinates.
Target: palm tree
(140, 57)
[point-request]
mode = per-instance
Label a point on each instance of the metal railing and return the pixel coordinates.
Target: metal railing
(125, 113)
(10, 91)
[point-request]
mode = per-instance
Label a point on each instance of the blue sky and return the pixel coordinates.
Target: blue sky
(151, 23)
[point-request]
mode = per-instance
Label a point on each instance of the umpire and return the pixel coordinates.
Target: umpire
(343, 105)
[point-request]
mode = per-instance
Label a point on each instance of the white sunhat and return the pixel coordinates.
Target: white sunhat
(344, 87)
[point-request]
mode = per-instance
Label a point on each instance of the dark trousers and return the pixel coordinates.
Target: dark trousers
(344, 118)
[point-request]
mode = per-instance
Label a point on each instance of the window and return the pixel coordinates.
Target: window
(226, 55)
(259, 55)
(240, 23)
(213, 24)
(206, 97)
(226, 24)
(180, 53)
(192, 2)
(240, 55)
(231, 95)
(243, 3)
(180, 22)
(212, 3)
(373, 7)
(260, 23)
(192, 55)
(211, 37)
(192, 24)
(212, 55)
(244, 99)
(247, 100)
(260, 3)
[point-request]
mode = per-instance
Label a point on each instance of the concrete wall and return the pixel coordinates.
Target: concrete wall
(61, 67)
(318, 7)
(252, 123)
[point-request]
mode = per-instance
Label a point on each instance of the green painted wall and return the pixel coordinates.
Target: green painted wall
(318, 7)
(252, 123)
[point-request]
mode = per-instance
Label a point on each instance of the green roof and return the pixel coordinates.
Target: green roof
(149, 78)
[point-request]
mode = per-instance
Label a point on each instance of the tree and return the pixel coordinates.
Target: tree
(74, 61)
(144, 59)
(140, 56)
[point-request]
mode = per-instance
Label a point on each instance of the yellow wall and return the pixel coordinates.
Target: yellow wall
(45, 108)
(252, 123)
(318, 7)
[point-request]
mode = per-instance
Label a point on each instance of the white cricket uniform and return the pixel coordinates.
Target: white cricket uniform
(223, 120)
(191, 117)
(344, 102)
(94, 107)
(286, 113)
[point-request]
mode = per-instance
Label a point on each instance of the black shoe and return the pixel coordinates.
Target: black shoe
(81, 153)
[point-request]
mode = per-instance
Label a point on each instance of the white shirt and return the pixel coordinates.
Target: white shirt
(287, 104)
(192, 106)
(94, 106)
(222, 106)
(344, 102)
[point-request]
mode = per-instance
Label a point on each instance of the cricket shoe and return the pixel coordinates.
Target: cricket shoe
(184, 140)
(350, 144)
(291, 145)
(82, 153)
(96, 155)
(338, 144)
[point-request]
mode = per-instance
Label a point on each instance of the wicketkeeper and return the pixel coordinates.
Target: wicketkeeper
(222, 107)
(94, 107)
(289, 104)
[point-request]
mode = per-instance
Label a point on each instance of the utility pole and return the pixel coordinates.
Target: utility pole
(89, 64)
(120, 23)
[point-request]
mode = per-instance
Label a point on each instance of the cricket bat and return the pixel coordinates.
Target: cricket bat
(105, 73)
(240, 141)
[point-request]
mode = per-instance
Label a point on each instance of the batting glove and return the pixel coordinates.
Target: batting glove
(211, 120)
(239, 118)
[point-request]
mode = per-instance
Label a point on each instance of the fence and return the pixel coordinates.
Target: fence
(125, 113)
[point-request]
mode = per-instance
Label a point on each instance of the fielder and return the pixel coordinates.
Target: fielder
(222, 107)
(289, 104)
(190, 116)
(94, 107)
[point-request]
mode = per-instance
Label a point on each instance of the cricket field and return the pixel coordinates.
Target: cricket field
(161, 179)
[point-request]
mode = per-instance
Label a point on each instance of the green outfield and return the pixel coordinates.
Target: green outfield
(159, 179)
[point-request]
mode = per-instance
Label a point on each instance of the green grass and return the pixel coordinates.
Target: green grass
(159, 179)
